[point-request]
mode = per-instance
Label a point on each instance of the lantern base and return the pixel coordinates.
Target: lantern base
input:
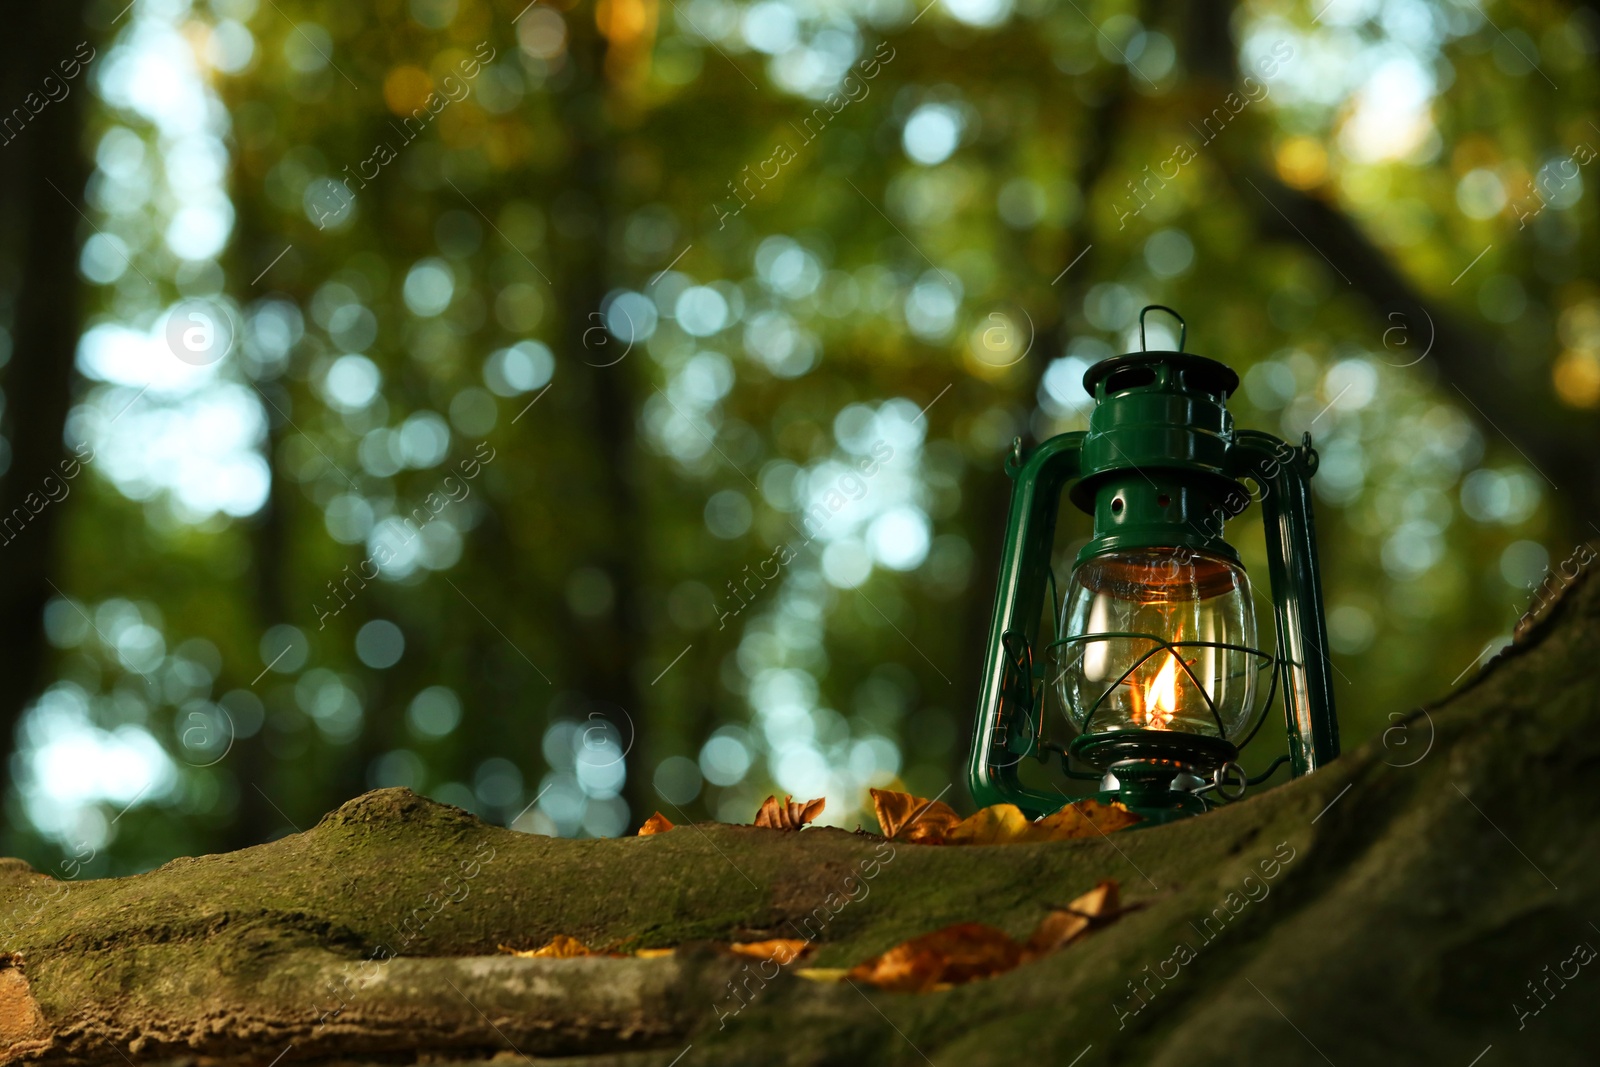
(1152, 772)
(1146, 788)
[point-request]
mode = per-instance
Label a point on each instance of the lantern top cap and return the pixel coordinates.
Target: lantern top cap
(1196, 372)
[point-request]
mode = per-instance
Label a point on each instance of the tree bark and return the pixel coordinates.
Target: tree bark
(1403, 902)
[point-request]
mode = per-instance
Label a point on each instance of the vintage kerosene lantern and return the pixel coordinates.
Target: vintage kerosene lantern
(1153, 661)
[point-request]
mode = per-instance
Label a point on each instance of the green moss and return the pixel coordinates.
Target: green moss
(1413, 889)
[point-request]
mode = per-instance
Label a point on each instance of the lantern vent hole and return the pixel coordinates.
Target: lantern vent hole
(1116, 505)
(1214, 384)
(1163, 500)
(1130, 378)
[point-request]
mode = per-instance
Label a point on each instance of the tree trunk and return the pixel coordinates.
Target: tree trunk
(42, 171)
(610, 672)
(1416, 901)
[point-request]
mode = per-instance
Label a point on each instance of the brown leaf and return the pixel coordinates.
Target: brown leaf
(966, 951)
(788, 815)
(1055, 930)
(655, 824)
(781, 951)
(560, 947)
(998, 824)
(950, 956)
(909, 818)
(1101, 902)
(1083, 818)
(1063, 926)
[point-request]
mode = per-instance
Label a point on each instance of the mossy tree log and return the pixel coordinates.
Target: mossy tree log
(1400, 906)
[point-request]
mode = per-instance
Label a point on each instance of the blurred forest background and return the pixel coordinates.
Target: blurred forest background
(613, 411)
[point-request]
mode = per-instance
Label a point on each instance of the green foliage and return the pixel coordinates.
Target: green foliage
(809, 290)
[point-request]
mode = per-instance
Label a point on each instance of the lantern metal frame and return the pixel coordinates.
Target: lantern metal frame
(1160, 454)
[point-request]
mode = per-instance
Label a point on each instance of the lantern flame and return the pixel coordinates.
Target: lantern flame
(1161, 696)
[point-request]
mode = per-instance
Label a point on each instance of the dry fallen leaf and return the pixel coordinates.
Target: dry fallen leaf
(822, 974)
(1060, 927)
(950, 956)
(1101, 902)
(654, 953)
(788, 815)
(909, 818)
(560, 947)
(998, 824)
(966, 951)
(781, 951)
(905, 817)
(1063, 926)
(1083, 818)
(655, 824)
(930, 823)
(1005, 824)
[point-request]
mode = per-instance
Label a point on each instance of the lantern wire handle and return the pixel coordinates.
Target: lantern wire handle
(1183, 327)
(1272, 769)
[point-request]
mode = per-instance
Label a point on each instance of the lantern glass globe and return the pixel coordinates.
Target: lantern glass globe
(1177, 653)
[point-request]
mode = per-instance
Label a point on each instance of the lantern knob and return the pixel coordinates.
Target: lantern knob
(1183, 327)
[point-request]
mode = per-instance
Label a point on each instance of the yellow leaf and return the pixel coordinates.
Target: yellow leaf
(998, 824)
(822, 974)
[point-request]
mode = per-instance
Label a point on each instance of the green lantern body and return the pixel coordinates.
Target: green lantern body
(1156, 661)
